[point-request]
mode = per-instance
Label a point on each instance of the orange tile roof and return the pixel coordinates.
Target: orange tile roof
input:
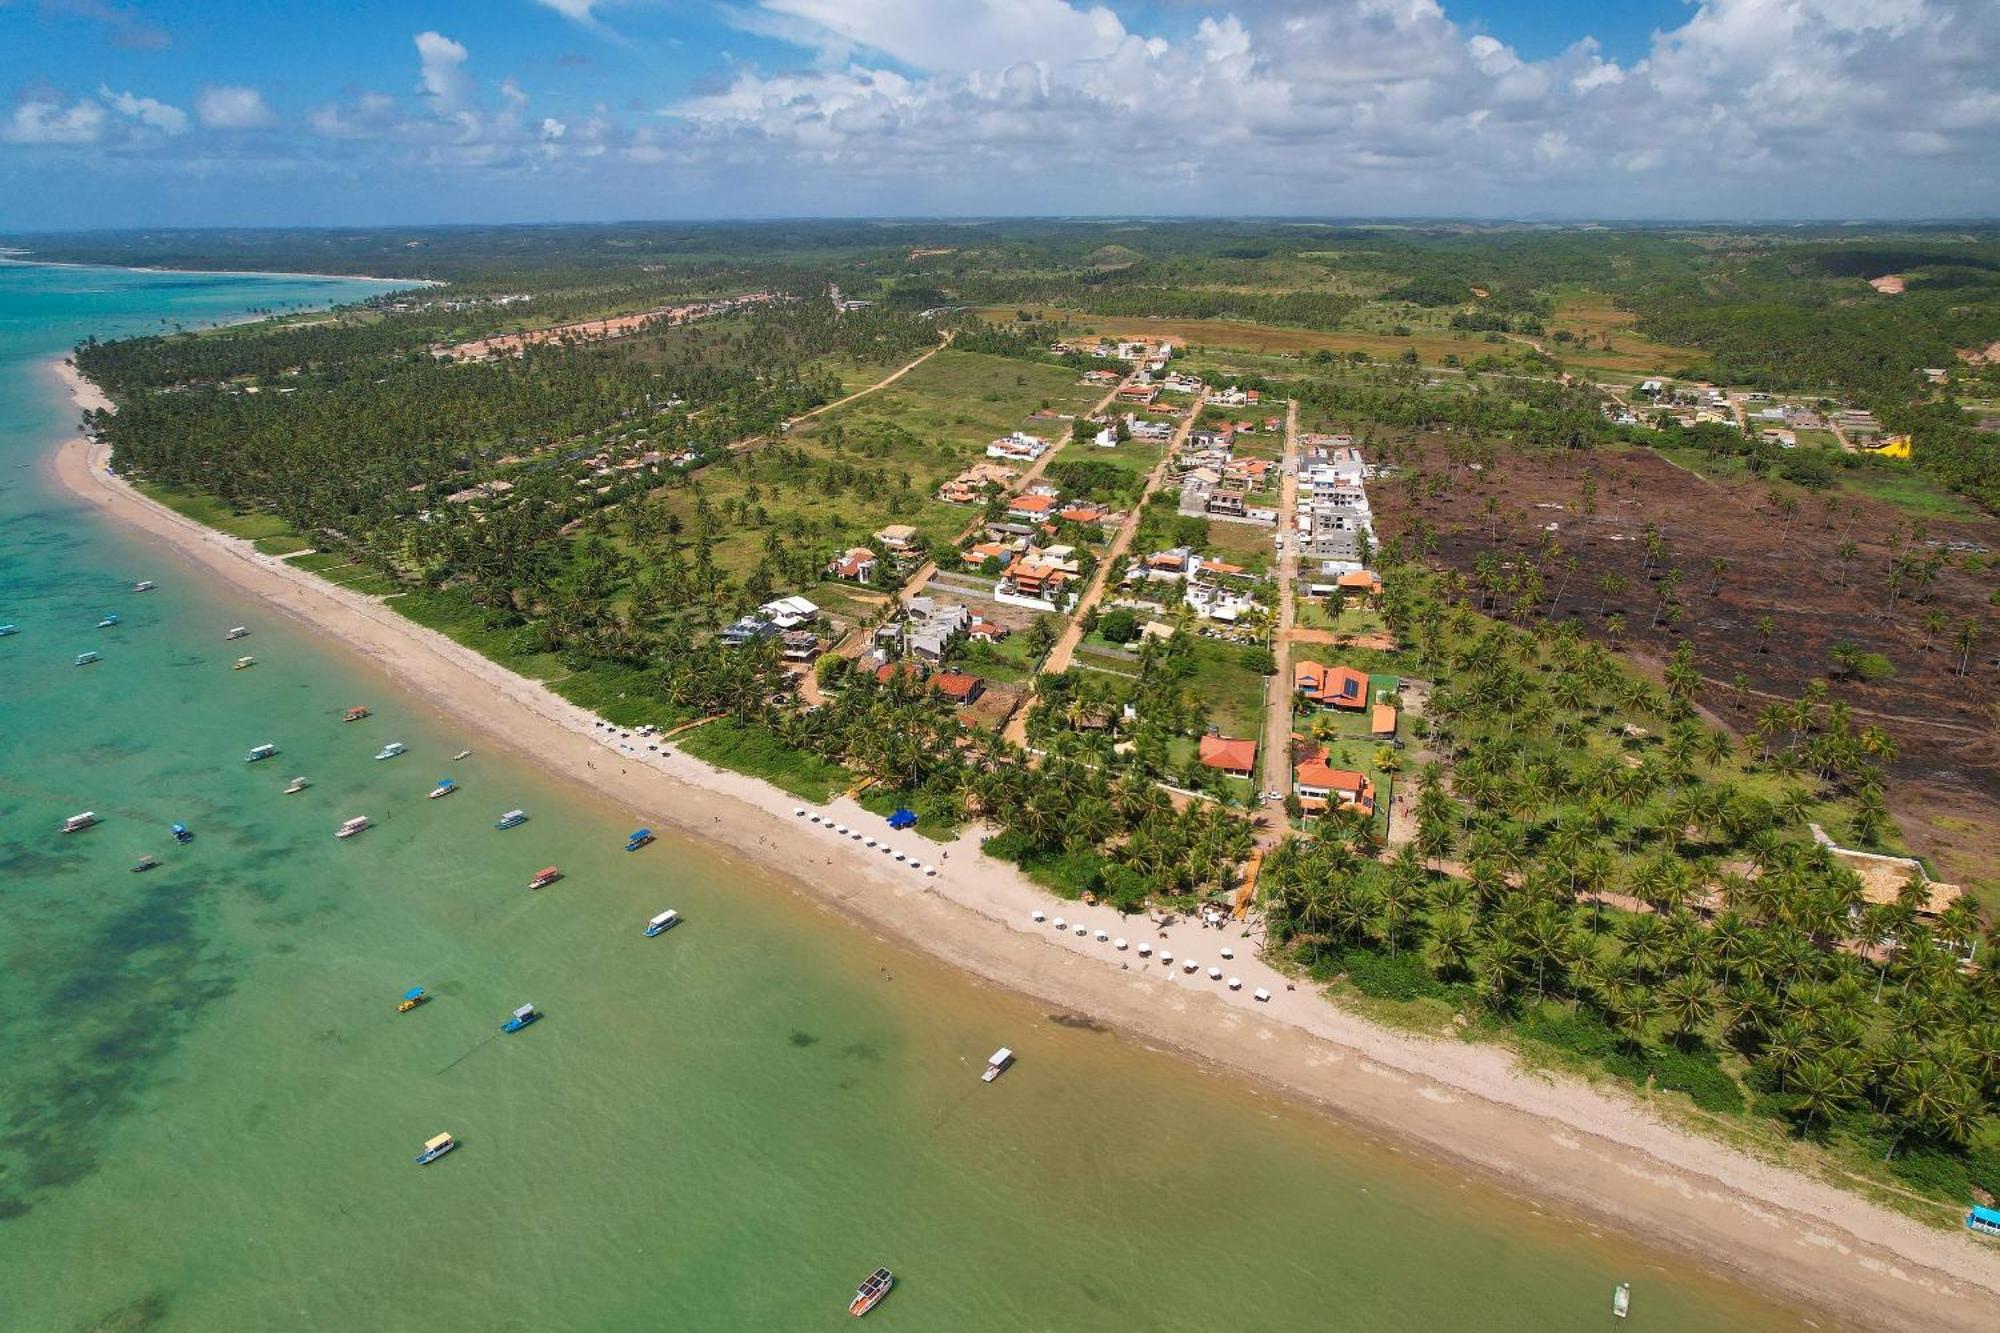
(1316, 774)
(957, 685)
(1228, 753)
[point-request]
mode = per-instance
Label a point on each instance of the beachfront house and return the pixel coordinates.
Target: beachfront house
(1228, 754)
(1330, 686)
(1319, 786)
(897, 538)
(856, 563)
(789, 613)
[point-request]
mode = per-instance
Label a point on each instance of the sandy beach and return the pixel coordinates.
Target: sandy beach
(1599, 1155)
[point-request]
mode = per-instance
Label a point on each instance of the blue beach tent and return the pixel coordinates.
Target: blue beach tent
(903, 817)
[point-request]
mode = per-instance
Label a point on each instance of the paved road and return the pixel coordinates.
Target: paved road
(1065, 646)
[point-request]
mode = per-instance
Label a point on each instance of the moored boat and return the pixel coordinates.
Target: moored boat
(435, 1148)
(1621, 1299)
(144, 863)
(666, 920)
(144, 585)
(355, 714)
(351, 827)
(445, 787)
(78, 823)
(295, 786)
(390, 751)
(870, 1293)
(996, 1064)
(85, 659)
(182, 833)
(523, 1016)
(545, 877)
(257, 752)
(107, 622)
(412, 997)
(5, 630)
(244, 661)
(639, 838)
(461, 755)
(236, 633)
(512, 819)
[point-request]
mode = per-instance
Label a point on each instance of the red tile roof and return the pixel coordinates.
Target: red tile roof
(958, 686)
(1229, 754)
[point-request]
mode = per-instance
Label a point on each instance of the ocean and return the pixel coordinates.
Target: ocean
(209, 1105)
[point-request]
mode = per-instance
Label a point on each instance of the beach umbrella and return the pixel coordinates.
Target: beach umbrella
(1190, 965)
(1083, 930)
(1263, 995)
(1119, 943)
(1236, 983)
(1228, 953)
(840, 829)
(1060, 924)
(1038, 915)
(1215, 974)
(868, 842)
(1145, 949)
(854, 834)
(1166, 956)
(1101, 937)
(798, 810)
(815, 819)
(930, 870)
(901, 857)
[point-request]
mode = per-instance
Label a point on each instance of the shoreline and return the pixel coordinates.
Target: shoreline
(16, 258)
(1587, 1150)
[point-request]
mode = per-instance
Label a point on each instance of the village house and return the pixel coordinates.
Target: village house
(799, 645)
(747, 629)
(485, 490)
(1330, 686)
(1145, 428)
(1106, 438)
(977, 554)
(1138, 393)
(856, 563)
(1229, 397)
(1038, 577)
(1033, 507)
(927, 630)
(1101, 377)
(1082, 511)
(1231, 755)
(1317, 786)
(1020, 445)
(1382, 722)
(960, 687)
(1361, 583)
(789, 613)
(897, 537)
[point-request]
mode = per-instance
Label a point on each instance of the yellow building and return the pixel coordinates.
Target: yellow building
(1889, 446)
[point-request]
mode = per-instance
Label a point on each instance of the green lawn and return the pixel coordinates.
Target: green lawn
(1904, 486)
(728, 743)
(960, 400)
(1233, 692)
(205, 509)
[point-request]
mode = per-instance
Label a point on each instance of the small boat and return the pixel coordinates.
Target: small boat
(390, 751)
(870, 1293)
(144, 863)
(639, 838)
(244, 661)
(85, 659)
(412, 997)
(436, 1148)
(461, 756)
(144, 585)
(351, 827)
(1621, 1299)
(666, 920)
(295, 786)
(182, 834)
(264, 751)
(445, 787)
(512, 819)
(78, 823)
(107, 622)
(5, 630)
(996, 1064)
(523, 1016)
(355, 714)
(545, 877)
(236, 633)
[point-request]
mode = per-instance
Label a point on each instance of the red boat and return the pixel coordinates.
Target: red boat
(548, 876)
(356, 713)
(871, 1293)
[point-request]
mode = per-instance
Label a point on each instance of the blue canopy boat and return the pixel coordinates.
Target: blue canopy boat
(639, 838)
(183, 834)
(523, 1016)
(107, 622)
(512, 819)
(412, 997)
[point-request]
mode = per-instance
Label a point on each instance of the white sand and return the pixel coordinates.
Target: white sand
(1600, 1153)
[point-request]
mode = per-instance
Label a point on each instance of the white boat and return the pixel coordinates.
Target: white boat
(351, 827)
(462, 754)
(296, 786)
(107, 622)
(264, 751)
(996, 1064)
(445, 787)
(85, 659)
(78, 823)
(5, 630)
(144, 585)
(666, 920)
(390, 751)
(237, 633)
(244, 661)
(1621, 1299)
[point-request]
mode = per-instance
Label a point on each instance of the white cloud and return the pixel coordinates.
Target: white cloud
(145, 110)
(580, 10)
(553, 128)
(41, 121)
(443, 78)
(228, 107)
(365, 115)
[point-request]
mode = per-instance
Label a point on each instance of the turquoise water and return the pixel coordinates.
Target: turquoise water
(208, 1106)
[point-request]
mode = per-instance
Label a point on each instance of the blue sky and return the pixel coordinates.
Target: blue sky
(152, 112)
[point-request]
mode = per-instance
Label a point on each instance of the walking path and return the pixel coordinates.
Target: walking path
(1277, 767)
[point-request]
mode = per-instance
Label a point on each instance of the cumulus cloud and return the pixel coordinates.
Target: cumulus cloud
(580, 10)
(44, 121)
(146, 110)
(443, 78)
(232, 107)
